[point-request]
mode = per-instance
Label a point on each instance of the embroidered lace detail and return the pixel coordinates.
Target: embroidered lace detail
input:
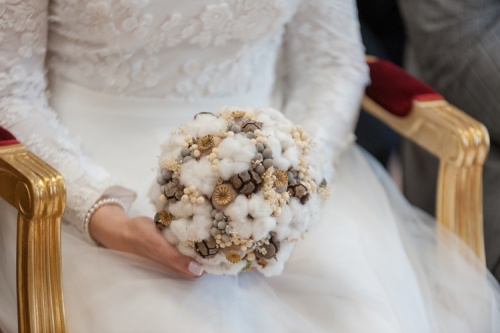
(24, 110)
(247, 28)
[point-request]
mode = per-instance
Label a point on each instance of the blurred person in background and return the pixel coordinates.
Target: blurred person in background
(383, 35)
(454, 46)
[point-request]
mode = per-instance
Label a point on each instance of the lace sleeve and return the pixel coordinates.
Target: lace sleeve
(25, 112)
(326, 76)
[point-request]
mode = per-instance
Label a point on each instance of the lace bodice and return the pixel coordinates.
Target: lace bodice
(176, 50)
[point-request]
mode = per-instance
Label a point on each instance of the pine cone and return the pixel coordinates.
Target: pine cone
(251, 126)
(206, 248)
(271, 249)
(246, 182)
(173, 191)
(299, 191)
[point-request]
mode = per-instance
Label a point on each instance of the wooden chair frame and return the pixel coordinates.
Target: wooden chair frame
(38, 192)
(461, 144)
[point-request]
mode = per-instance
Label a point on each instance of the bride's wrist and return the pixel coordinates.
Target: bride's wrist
(102, 217)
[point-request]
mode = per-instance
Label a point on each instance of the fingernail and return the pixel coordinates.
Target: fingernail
(195, 268)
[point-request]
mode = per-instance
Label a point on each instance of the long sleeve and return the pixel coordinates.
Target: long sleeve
(25, 112)
(326, 76)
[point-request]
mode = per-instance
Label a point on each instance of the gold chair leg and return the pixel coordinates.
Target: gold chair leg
(37, 191)
(461, 143)
(459, 198)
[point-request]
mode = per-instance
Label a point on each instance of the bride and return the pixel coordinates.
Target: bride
(122, 74)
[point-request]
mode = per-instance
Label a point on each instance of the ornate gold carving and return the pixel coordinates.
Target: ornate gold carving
(461, 143)
(37, 191)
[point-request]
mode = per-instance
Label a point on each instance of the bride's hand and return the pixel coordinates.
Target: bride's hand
(114, 229)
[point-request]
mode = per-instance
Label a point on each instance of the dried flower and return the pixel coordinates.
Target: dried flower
(163, 219)
(206, 142)
(172, 164)
(238, 114)
(233, 257)
(222, 194)
(281, 178)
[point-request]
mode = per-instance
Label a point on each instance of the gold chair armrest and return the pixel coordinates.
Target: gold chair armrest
(37, 191)
(461, 143)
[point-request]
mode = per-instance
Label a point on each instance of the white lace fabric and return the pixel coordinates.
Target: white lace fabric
(171, 50)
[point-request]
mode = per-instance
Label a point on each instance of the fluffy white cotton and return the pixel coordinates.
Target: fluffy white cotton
(263, 226)
(172, 146)
(181, 209)
(205, 124)
(200, 227)
(227, 168)
(275, 267)
(235, 154)
(258, 207)
(202, 209)
(179, 228)
(244, 227)
(238, 210)
(291, 154)
(199, 174)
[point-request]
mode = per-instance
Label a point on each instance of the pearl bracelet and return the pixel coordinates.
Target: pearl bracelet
(93, 209)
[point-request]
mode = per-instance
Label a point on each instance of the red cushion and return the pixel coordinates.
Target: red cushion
(6, 138)
(395, 90)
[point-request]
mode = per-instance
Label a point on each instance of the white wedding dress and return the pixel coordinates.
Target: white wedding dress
(123, 73)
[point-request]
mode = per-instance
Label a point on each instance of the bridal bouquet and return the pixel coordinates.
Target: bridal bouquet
(235, 191)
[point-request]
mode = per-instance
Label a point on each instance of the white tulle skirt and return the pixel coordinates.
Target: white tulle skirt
(374, 263)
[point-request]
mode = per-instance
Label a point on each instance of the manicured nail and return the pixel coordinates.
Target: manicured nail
(195, 268)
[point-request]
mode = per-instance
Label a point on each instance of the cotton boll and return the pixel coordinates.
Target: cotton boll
(226, 168)
(179, 229)
(292, 155)
(275, 267)
(154, 195)
(274, 144)
(285, 218)
(301, 215)
(281, 163)
(200, 227)
(258, 207)
(243, 227)
(263, 226)
(283, 232)
(238, 148)
(274, 115)
(199, 174)
(235, 155)
(264, 118)
(203, 209)
(173, 145)
(228, 147)
(238, 210)
(181, 209)
(285, 139)
(187, 250)
(205, 124)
